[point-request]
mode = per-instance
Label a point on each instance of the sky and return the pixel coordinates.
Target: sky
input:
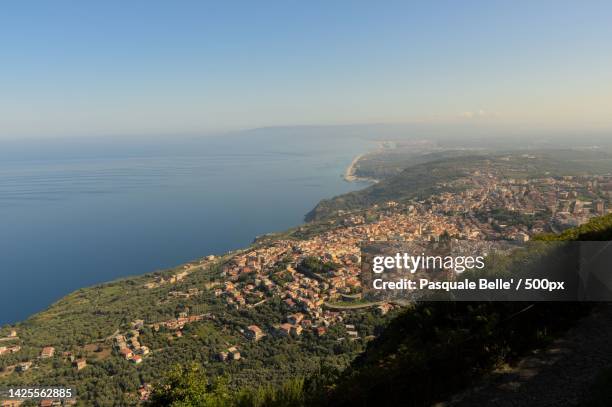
(74, 68)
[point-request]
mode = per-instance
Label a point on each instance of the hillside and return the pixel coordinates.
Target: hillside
(172, 317)
(286, 309)
(433, 172)
(428, 353)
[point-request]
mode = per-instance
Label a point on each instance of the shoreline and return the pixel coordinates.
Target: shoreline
(349, 173)
(145, 273)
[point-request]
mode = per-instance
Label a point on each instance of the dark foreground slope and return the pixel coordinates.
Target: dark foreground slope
(434, 350)
(425, 355)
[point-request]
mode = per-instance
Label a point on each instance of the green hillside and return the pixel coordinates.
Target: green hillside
(422, 179)
(428, 353)
(424, 355)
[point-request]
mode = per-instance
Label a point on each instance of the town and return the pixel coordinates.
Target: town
(317, 278)
(527, 207)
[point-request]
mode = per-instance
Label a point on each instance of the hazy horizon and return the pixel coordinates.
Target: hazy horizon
(73, 69)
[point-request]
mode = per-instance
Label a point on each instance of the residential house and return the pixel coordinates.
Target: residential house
(79, 364)
(47, 352)
(253, 332)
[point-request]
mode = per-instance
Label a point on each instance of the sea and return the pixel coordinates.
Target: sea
(83, 210)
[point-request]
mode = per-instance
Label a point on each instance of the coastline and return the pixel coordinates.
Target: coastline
(349, 174)
(152, 174)
(144, 274)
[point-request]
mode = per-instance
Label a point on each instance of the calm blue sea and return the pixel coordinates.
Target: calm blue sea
(76, 212)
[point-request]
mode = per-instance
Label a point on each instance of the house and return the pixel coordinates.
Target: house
(9, 349)
(137, 324)
(384, 308)
(296, 318)
(47, 352)
(137, 359)
(285, 329)
(296, 330)
(126, 353)
(23, 366)
(144, 350)
(79, 364)
(144, 392)
(254, 333)
(320, 331)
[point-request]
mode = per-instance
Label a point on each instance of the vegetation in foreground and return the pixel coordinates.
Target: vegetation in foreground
(424, 355)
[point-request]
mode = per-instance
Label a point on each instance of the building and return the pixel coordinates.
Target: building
(9, 349)
(144, 392)
(23, 366)
(285, 329)
(11, 403)
(79, 364)
(296, 318)
(126, 353)
(47, 352)
(382, 309)
(137, 324)
(254, 333)
(234, 354)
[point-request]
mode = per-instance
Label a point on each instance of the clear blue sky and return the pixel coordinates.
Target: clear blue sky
(123, 67)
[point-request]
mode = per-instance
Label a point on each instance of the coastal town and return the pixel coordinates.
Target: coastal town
(317, 278)
(548, 204)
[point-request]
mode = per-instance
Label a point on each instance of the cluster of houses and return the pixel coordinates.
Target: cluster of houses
(273, 270)
(191, 292)
(294, 326)
(230, 354)
(46, 352)
(160, 280)
(129, 347)
(10, 348)
(178, 323)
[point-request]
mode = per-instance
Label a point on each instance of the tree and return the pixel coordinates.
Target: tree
(189, 387)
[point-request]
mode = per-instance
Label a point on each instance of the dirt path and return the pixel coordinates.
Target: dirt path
(560, 375)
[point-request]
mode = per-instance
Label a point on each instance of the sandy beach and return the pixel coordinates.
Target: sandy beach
(349, 174)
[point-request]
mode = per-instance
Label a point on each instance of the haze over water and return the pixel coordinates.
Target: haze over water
(74, 213)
